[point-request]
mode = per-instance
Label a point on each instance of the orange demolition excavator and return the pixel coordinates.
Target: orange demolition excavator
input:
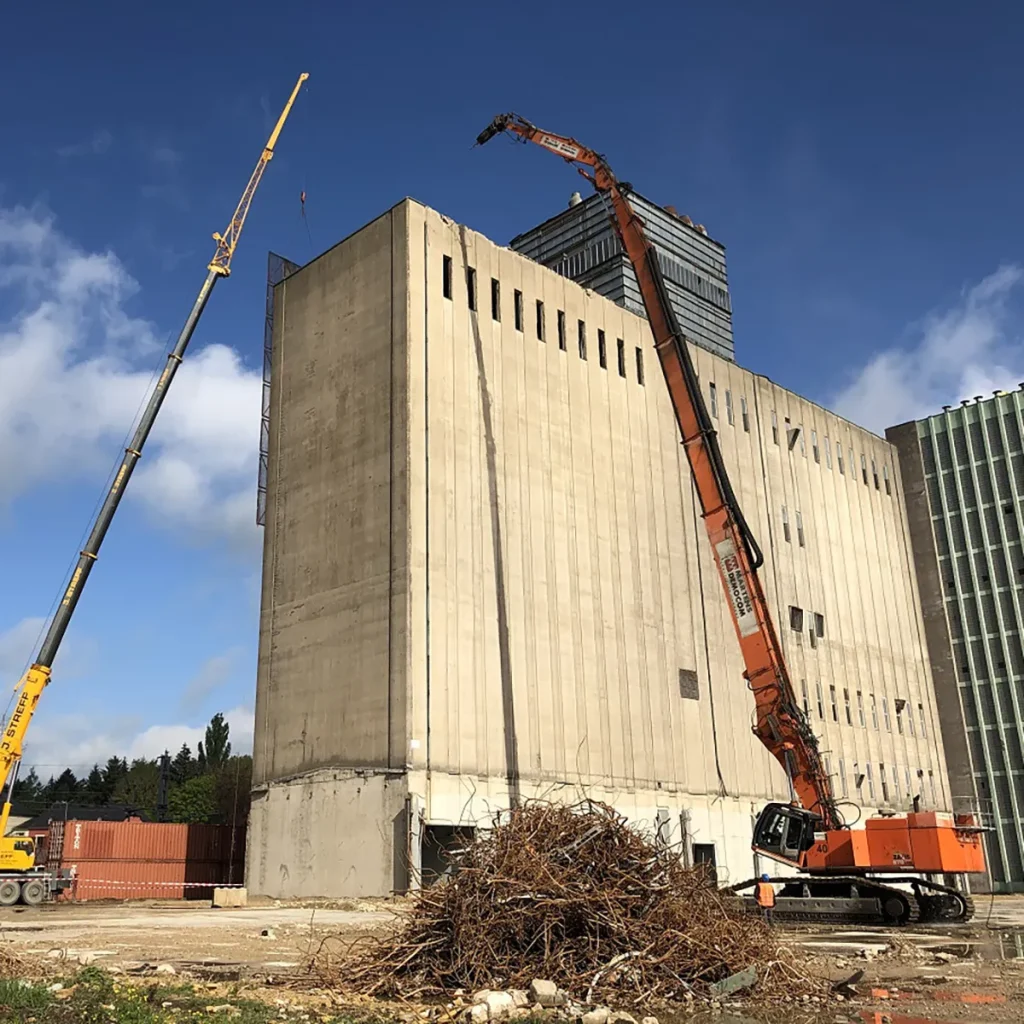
(872, 874)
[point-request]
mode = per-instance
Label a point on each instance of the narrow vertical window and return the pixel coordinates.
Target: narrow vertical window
(871, 781)
(885, 714)
(744, 414)
(874, 712)
(906, 779)
(796, 619)
(471, 288)
(828, 454)
(843, 784)
(517, 308)
(924, 724)
(785, 524)
(814, 446)
(713, 399)
(910, 722)
(639, 365)
(821, 701)
(839, 458)
(931, 785)
(874, 472)
(602, 350)
(819, 624)
(621, 345)
(803, 440)
(853, 464)
(807, 704)
(800, 529)
(885, 477)
(896, 781)
(728, 407)
(884, 781)
(828, 767)
(846, 706)
(775, 427)
(540, 321)
(832, 703)
(495, 299)
(446, 276)
(864, 467)
(899, 717)
(581, 338)
(860, 709)
(561, 329)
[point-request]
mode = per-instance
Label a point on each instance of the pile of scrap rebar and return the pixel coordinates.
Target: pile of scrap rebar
(574, 895)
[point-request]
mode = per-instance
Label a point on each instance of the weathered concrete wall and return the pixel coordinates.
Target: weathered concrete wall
(330, 687)
(328, 833)
(505, 584)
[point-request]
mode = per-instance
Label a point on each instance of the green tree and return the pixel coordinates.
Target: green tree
(234, 783)
(93, 790)
(140, 786)
(217, 748)
(183, 766)
(65, 788)
(28, 790)
(195, 801)
(114, 771)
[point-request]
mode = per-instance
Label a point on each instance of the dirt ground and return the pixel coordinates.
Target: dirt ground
(972, 973)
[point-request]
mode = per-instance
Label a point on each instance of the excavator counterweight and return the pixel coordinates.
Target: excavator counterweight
(844, 869)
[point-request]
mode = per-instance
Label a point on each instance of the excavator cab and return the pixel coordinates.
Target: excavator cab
(785, 832)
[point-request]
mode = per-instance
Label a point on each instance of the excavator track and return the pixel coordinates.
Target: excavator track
(823, 899)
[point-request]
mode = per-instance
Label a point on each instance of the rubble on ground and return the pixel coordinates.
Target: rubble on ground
(579, 898)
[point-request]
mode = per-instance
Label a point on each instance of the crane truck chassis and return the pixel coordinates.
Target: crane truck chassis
(875, 873)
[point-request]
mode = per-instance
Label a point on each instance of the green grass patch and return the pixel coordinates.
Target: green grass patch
(92, 997)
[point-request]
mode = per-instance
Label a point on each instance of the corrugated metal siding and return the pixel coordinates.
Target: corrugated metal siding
(134, 859)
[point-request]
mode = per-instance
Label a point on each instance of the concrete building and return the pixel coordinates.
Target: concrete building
(484, 574)
(963, 473)
(580, 243)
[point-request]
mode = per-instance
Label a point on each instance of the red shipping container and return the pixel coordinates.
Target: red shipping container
(138, 860)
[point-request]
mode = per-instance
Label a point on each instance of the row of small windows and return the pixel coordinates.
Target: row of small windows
(541, 325)
(899, 704)
(815, 624)
(795, 436)
(868, 777)
(787, 535)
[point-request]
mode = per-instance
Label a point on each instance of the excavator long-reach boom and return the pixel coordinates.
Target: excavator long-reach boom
(34, 681)
(780, 724)
(844, 868)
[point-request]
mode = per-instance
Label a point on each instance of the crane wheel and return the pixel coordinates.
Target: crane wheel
(10, 892)
(33, 892)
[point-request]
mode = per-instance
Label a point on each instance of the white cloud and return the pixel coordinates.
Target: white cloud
(95, 146)
(74, 368)
(212, 674)
(965, 351)
(81, 740)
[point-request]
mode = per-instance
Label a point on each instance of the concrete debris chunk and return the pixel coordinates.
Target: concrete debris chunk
(599, 1015)
(546, 993)
(480, 996)
(479, 1013)
(166, 969)
(233, 897)
(649, 1020)
(621, 1017)
(519, 998)
(499, 1004)
(736, 982)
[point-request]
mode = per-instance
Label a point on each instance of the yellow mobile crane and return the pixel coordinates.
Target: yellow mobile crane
(19, 878)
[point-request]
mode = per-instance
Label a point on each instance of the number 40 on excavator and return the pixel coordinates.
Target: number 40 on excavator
(875, 873)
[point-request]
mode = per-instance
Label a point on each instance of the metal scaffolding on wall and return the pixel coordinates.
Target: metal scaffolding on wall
(278, 268)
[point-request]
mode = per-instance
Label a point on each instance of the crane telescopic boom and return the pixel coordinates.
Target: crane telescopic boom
(35, 680)
(780, 725)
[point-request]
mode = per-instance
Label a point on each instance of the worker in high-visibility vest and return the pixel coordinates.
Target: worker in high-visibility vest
(764, 893)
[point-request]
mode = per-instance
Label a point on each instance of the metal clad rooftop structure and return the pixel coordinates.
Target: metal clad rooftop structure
(580, 243)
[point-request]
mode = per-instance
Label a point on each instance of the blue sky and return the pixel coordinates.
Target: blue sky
(861, 165)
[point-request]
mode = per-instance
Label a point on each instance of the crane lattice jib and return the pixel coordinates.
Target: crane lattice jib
(780, 724)
(34, 681)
